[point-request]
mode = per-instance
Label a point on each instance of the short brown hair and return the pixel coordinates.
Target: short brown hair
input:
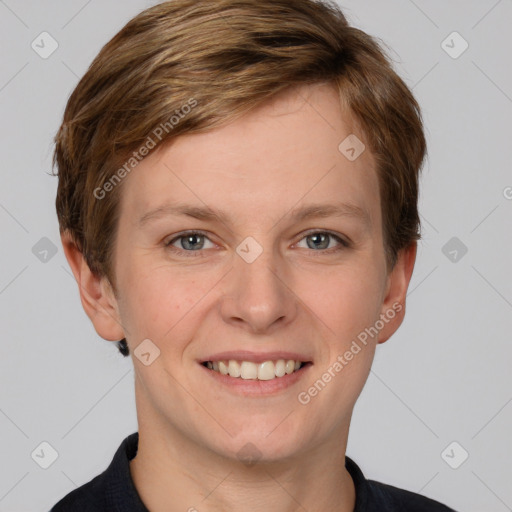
(226, 57)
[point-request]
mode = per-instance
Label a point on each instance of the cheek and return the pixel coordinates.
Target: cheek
(348, 304)
(160, 302)
(148, 306)
(346, 300)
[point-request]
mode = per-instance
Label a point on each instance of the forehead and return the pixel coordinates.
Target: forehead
(283, 154)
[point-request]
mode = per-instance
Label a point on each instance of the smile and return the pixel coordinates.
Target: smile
(248, 370)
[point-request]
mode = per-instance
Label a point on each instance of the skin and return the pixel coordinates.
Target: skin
(294, 296)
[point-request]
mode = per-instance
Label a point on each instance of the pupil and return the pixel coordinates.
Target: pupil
(317, 237)
(190, 240)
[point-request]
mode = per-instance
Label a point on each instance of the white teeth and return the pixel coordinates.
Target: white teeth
(233, 368)
(223, 368)
(266, 371)
(248, 370)
(280, 368)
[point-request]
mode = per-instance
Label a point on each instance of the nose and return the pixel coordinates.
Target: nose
(258, 295)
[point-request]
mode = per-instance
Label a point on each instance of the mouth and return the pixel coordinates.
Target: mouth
(257, 371)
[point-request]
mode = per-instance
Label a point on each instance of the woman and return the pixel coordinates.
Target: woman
(238, 186)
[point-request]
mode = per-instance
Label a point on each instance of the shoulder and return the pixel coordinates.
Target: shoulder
(112, 490)
(403, 500)
(373, 496)
(86, 498)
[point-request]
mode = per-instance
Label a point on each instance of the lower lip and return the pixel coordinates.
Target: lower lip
(254, 387)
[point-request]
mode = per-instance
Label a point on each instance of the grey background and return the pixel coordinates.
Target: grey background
(445, 375)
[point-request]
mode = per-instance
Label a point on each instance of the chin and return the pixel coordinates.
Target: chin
(268, 441)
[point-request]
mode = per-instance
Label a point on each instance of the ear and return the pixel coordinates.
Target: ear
(96, 293)
(393, 306)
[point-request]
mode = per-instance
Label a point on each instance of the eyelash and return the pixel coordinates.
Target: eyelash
(200, 253)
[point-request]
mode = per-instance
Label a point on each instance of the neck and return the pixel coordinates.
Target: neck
(173, 473)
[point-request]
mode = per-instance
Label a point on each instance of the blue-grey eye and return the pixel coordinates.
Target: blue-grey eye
(190, 242)
(321, 239)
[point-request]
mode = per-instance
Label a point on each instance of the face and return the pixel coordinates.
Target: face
(258, 283)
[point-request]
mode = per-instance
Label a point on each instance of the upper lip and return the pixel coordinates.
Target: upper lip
(256, 357)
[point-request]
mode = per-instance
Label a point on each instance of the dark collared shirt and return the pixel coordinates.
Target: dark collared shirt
(114, 490)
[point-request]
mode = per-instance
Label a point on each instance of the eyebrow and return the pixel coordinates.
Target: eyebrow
(297, 214)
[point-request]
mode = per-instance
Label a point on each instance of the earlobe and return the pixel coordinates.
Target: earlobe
(393, 306)
(96, 294)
